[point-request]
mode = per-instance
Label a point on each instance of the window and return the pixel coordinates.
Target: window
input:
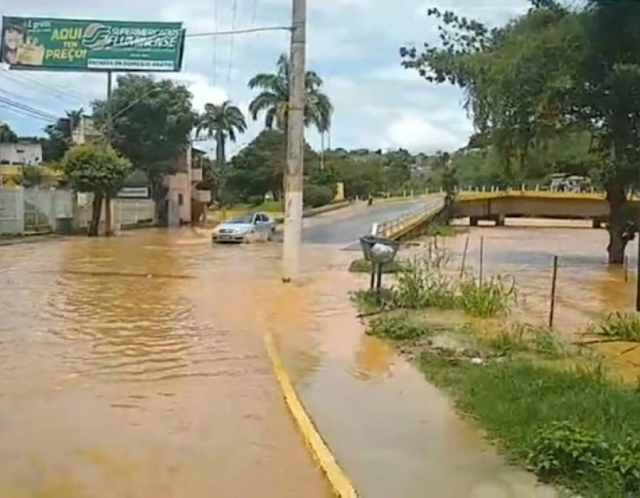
(180, 199)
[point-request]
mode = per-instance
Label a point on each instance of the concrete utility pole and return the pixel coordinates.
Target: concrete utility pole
(295, 146)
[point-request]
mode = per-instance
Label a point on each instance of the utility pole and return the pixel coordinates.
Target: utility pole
(295, 146)
(108, 221)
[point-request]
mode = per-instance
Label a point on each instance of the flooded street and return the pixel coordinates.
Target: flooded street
(133, 367)
(136, 366)
(587, 287)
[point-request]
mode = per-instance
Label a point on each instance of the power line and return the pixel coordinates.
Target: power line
(215, 42)
(239, 31)
(232, 43)
(41, 101)
(25, 79)
(27, 108)
(25, 114)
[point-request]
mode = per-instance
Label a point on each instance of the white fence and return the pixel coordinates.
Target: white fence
(33, 210)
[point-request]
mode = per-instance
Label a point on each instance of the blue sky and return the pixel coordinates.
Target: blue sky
(352, 44)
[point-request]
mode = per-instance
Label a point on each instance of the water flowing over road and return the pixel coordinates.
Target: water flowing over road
(135, 366)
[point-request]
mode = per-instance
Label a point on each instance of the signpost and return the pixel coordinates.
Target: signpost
(83, 45)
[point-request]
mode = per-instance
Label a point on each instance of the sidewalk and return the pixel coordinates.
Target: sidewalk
(392, 432)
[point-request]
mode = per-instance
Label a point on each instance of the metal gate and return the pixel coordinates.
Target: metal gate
(39, 210)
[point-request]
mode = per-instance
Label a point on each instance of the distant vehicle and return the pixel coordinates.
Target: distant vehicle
(568, 183)
(252, 227)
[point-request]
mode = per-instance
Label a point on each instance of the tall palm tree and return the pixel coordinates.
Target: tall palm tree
(74, 118)
(274, 98)
(221, 122)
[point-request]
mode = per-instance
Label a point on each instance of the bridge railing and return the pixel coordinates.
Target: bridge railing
(400, 225)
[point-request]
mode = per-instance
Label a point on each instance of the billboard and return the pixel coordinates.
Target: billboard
(80, 45)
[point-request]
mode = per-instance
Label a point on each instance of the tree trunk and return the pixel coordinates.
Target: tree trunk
(221, 160)
(618, 236)
(95, 215)
(108, 222)
(322, 151)
(159, 194)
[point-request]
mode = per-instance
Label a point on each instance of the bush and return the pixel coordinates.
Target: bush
(625, 326)
(255, 200)
(419, 286)
(398, 327)
(488, 298)
(317, 195)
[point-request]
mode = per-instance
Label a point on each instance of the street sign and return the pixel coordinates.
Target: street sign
(134, 193)
(82, 45)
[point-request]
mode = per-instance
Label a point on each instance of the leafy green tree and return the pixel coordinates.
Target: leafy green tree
(7, 135)
(552, 72)
(274, 98)
(259, 167)
(96, 168)
(221, 122)
(58, 140)
(151, 126)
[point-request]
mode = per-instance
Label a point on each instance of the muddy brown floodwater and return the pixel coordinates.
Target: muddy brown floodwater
(134, 367)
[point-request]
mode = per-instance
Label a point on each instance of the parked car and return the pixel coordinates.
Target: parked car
(247, 228)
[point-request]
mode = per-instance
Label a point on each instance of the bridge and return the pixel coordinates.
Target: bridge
(496, 206)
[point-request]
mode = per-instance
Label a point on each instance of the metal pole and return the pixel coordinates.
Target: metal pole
(481, 258)
(464, 257)
(295, 146)
(552, 307)
(372, 284)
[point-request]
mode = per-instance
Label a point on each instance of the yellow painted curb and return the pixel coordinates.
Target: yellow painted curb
(339, 481)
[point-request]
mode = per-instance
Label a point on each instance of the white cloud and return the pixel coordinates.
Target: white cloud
(417, 134)
(353, 44)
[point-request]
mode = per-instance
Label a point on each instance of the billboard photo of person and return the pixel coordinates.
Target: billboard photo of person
(13, 37)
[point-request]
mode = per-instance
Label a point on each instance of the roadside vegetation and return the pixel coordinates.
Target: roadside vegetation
(549, 404)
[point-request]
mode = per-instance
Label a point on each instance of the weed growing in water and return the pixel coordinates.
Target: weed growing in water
(398, 327)
(625, 326)
(421, 286)
(489, 298)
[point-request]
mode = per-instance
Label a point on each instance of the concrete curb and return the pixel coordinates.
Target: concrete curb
(339, 481)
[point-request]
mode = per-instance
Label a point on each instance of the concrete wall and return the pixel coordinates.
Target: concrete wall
(587, 207)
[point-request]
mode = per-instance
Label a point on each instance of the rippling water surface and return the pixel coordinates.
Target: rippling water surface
(135, 367)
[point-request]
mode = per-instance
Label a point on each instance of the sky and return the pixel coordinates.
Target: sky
(352, 44)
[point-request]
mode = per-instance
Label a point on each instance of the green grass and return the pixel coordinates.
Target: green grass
(401, 327)
(364, 266)
(624, 326)
(442, 229)
(574, 428)
(491, 297)
(525, 338)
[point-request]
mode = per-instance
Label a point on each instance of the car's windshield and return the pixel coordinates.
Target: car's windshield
(241, 220)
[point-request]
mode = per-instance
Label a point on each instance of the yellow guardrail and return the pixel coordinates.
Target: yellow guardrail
(403, 224)
(538, 194)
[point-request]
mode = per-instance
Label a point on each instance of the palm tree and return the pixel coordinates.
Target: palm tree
(274, 98)
(221, 122)
(74, 118)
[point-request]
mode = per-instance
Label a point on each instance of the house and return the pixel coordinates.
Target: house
(85, 131)
(26, 153)
(186, 203)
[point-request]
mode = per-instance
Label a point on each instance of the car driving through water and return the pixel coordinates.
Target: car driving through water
(253, 227)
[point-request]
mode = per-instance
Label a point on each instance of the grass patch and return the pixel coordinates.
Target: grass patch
(370, 302)
(442, 229)
(420, 286)
(488, 298)
(525, 338)
(364, 266)
(624, 326)
(574, 428)
(399, 327)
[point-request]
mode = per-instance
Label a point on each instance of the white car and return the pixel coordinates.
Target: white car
(247, 228)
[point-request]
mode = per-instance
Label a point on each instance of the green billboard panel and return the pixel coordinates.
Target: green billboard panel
(80, 45)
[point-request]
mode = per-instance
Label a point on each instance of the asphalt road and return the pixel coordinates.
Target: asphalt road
(348, 230)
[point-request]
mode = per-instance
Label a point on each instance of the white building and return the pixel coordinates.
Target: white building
(26, 153)
(85, 132)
